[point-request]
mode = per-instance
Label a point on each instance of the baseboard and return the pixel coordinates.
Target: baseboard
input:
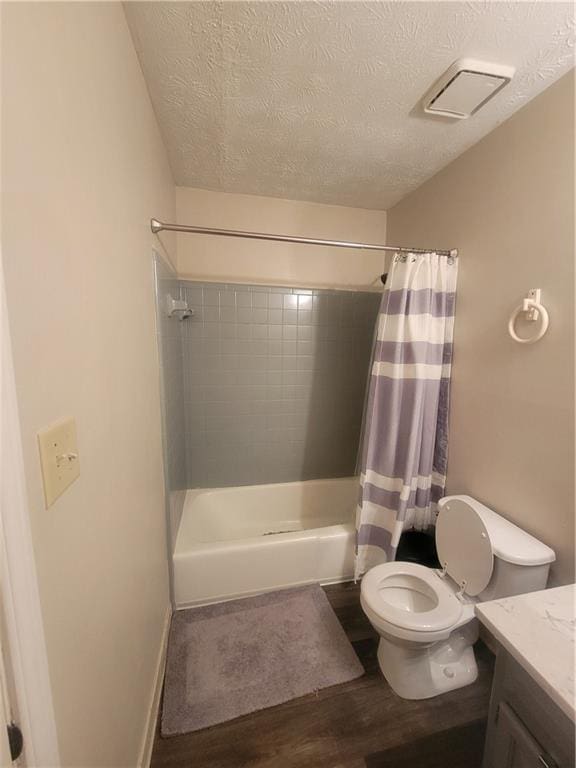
(150, 729)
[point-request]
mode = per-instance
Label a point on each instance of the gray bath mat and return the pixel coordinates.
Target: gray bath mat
(229, 659)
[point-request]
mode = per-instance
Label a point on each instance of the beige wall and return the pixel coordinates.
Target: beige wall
(84, 169)
(508, 205)
(249, 261)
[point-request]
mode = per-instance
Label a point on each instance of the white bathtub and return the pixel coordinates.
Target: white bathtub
(234, 542)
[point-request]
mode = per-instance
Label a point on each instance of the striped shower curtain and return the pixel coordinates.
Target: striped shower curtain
(405, 433)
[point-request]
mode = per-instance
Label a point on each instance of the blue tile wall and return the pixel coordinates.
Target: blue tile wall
(273, 382)
(169, 337)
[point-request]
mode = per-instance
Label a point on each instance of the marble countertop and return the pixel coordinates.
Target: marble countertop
(538, 630)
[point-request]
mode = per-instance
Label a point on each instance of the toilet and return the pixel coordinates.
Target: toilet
(426, 617)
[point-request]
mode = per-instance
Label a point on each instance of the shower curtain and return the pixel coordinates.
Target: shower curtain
(405, 433)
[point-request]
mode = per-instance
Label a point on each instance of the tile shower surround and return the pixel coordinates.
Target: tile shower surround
(273, 381)
(169, 337)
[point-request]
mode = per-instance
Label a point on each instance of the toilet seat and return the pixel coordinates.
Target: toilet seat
(411, 597)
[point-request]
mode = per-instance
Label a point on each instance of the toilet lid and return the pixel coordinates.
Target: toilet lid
(464, 547)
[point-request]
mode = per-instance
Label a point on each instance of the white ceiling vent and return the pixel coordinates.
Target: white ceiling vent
(465, 87)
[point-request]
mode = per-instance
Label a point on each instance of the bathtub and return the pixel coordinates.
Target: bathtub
(235, 542)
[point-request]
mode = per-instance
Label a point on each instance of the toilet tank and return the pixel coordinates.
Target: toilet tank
(521, 562)
(512, 579)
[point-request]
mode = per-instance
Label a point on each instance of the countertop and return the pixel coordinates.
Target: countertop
(538, 630)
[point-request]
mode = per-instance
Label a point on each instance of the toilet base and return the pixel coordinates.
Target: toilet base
(416, 671)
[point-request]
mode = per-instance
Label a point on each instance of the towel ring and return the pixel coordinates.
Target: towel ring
(535, 311)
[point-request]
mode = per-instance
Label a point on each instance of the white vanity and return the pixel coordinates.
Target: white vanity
(532, 708)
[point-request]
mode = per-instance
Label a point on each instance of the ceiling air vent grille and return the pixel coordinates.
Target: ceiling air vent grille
(465, 87)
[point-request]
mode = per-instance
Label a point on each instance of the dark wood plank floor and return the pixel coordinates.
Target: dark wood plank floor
(461, 746)
(347, 726)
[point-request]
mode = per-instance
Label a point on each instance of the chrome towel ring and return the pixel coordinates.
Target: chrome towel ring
(534, 311)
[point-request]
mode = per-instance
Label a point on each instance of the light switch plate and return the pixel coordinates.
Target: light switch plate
(59, 458)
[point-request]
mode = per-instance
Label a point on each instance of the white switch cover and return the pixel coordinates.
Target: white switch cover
(59, 458)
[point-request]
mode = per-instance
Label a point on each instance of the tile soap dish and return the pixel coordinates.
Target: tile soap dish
(178, 308)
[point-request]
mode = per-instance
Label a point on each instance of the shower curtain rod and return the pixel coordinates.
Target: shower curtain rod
(159, 226)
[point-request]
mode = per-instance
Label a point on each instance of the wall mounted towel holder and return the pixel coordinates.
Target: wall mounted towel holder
(534, 311)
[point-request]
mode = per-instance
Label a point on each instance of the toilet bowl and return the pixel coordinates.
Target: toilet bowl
(426, 630)
(426, 617)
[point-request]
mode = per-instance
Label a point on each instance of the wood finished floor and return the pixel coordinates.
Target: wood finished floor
(353, 725)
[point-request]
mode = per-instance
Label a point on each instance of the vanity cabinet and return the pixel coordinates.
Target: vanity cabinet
(526, 729)
(514, 745)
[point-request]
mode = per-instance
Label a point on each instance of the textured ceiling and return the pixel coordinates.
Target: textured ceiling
(316, 100)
